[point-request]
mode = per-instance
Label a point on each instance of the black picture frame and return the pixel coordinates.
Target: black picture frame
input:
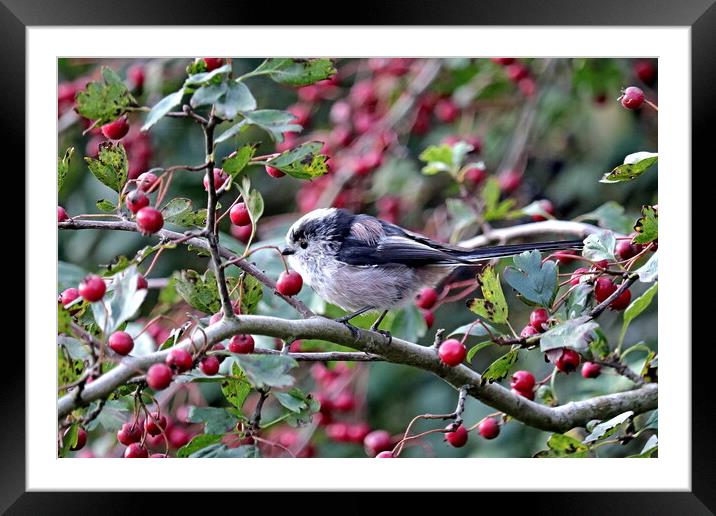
(699, 15)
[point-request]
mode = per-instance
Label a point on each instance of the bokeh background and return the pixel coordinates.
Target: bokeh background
(546, 129)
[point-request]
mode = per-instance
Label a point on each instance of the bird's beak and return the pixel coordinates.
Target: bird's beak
(286, 251)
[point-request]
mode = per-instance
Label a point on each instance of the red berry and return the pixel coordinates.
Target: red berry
(142, 282)
(129, 433)
(209, 365)
(527, 86)
(529, 331)
(68, 296)
(625, 250)
(646, 71)
(241, 233)
(457, 437)
(121, 342)
(135, 74)
(622, 301)
(530, 395)
(357, 432)
(452, 352)
(476, 174)
(178, 437)
(136, 200)
(61, 214)
(523, 381)
(446, 110)
(564, 257)
(220, 178)
(603, 288)
(274, 172)
(510, 181)
(239, 215)
(135, 451)
(516, 72)
(149, 220)
(302, 112)
(218, 347)
(429, 318)
(116, 130)
(547, 207)
(158, 456)
(289, 284)
(385, 455)
(92, 288)
(489, 428)
(504, 61)
(568, 361)
(81, 439)
(591, 370)
(377, 441)
(632, 98)
(155, 424)
(344, 402)
(241, 344)
(538, 318)
(146, 181)
(427, 297)
(212, 63)
(159, 376)
(337, 432)
(180, 359)
(601, 264)
(577, 275)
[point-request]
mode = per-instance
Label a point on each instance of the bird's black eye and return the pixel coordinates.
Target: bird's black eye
(303, 244)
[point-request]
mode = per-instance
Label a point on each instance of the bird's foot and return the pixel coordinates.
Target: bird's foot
(345, 321)
(384, 333)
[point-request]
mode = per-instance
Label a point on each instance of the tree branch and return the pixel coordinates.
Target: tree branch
(557, 419)
(165, 234)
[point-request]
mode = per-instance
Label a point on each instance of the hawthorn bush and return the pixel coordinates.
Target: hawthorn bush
(182, 333)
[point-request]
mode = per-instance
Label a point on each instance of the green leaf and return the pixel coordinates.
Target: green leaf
(274, 122)
(125, 300)
(574, 334)
(111, 167)
(634, 166)
(208, 94)
(63, 166)
(198, 443)
(610, 215)
(253, 200)
(176, 208)
(493, 305)
(579, 301)
(77, 349)
(237, 161)
(494, 209)
(163, 107)
(231, 131)
(113, 415)
(461, 216)
(237, 99)
(439, 158)
(535, 281)
(304, 416)
(294, 400)
(650, 448)
(599, 346)
(236, 389)
(221, 451)
(500, 368)
(105, 206)
(546, 395)
(199, 291)
(297, 72)
(653, 421)
(104, 101)
(599, 246)
(302, 162)
(69, 440)
(267, 370)
(476, 348)
(564, 446)
(64, 319)
(608, 428)
(650, 270)
(637, 306)
(476, 330)
(649, 370)
(200, 78)
(647, 226)
(216, 420)
(251, 293)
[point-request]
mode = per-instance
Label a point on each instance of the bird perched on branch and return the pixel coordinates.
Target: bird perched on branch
(361, 263)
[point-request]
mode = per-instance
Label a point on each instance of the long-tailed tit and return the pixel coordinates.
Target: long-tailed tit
(361, 263)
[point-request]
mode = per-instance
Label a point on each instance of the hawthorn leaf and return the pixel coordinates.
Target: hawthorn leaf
(564, 446)
(237, 161)
(296, 72)
(69, 439)
(574, 334)
(494, 208)
(578, 303)
(294, 400)
(302, 162)
(201, 292)
(208, 94)
(124, 301)
(650, 270)
(163, 107)
(610, 215)
(216, 420)
(77, 349)
(647, 226)
(462, 217)
(599, 346)
(273, 121)
(476, 348)
(105, 206)
(634, 165)
(237, 99)
(203, 77)
(500, 368)
(493, 305)
(638, 306)
(444, 158)
(232, 131)
(176, 208)
(536, 282)
(650, 448)
(198, 443)
(476, 330)
(63, 167)
(236, 388)
(106, 100)
(113, 415)
(251, 293)
(608, 428)
(111, 166)
(599, 246)
(265, 371)
(305, 414)
(221, 451)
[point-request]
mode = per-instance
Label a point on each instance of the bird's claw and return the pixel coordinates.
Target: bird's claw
(345, 322)
(384, 333)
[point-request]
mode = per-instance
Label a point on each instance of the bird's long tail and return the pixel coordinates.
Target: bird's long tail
(501, 251)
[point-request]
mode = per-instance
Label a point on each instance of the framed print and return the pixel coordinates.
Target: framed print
(333, 244)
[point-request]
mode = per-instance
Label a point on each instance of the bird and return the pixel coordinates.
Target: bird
(361, 263)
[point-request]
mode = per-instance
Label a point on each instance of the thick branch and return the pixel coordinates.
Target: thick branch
(167, 235)
(558, 419)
